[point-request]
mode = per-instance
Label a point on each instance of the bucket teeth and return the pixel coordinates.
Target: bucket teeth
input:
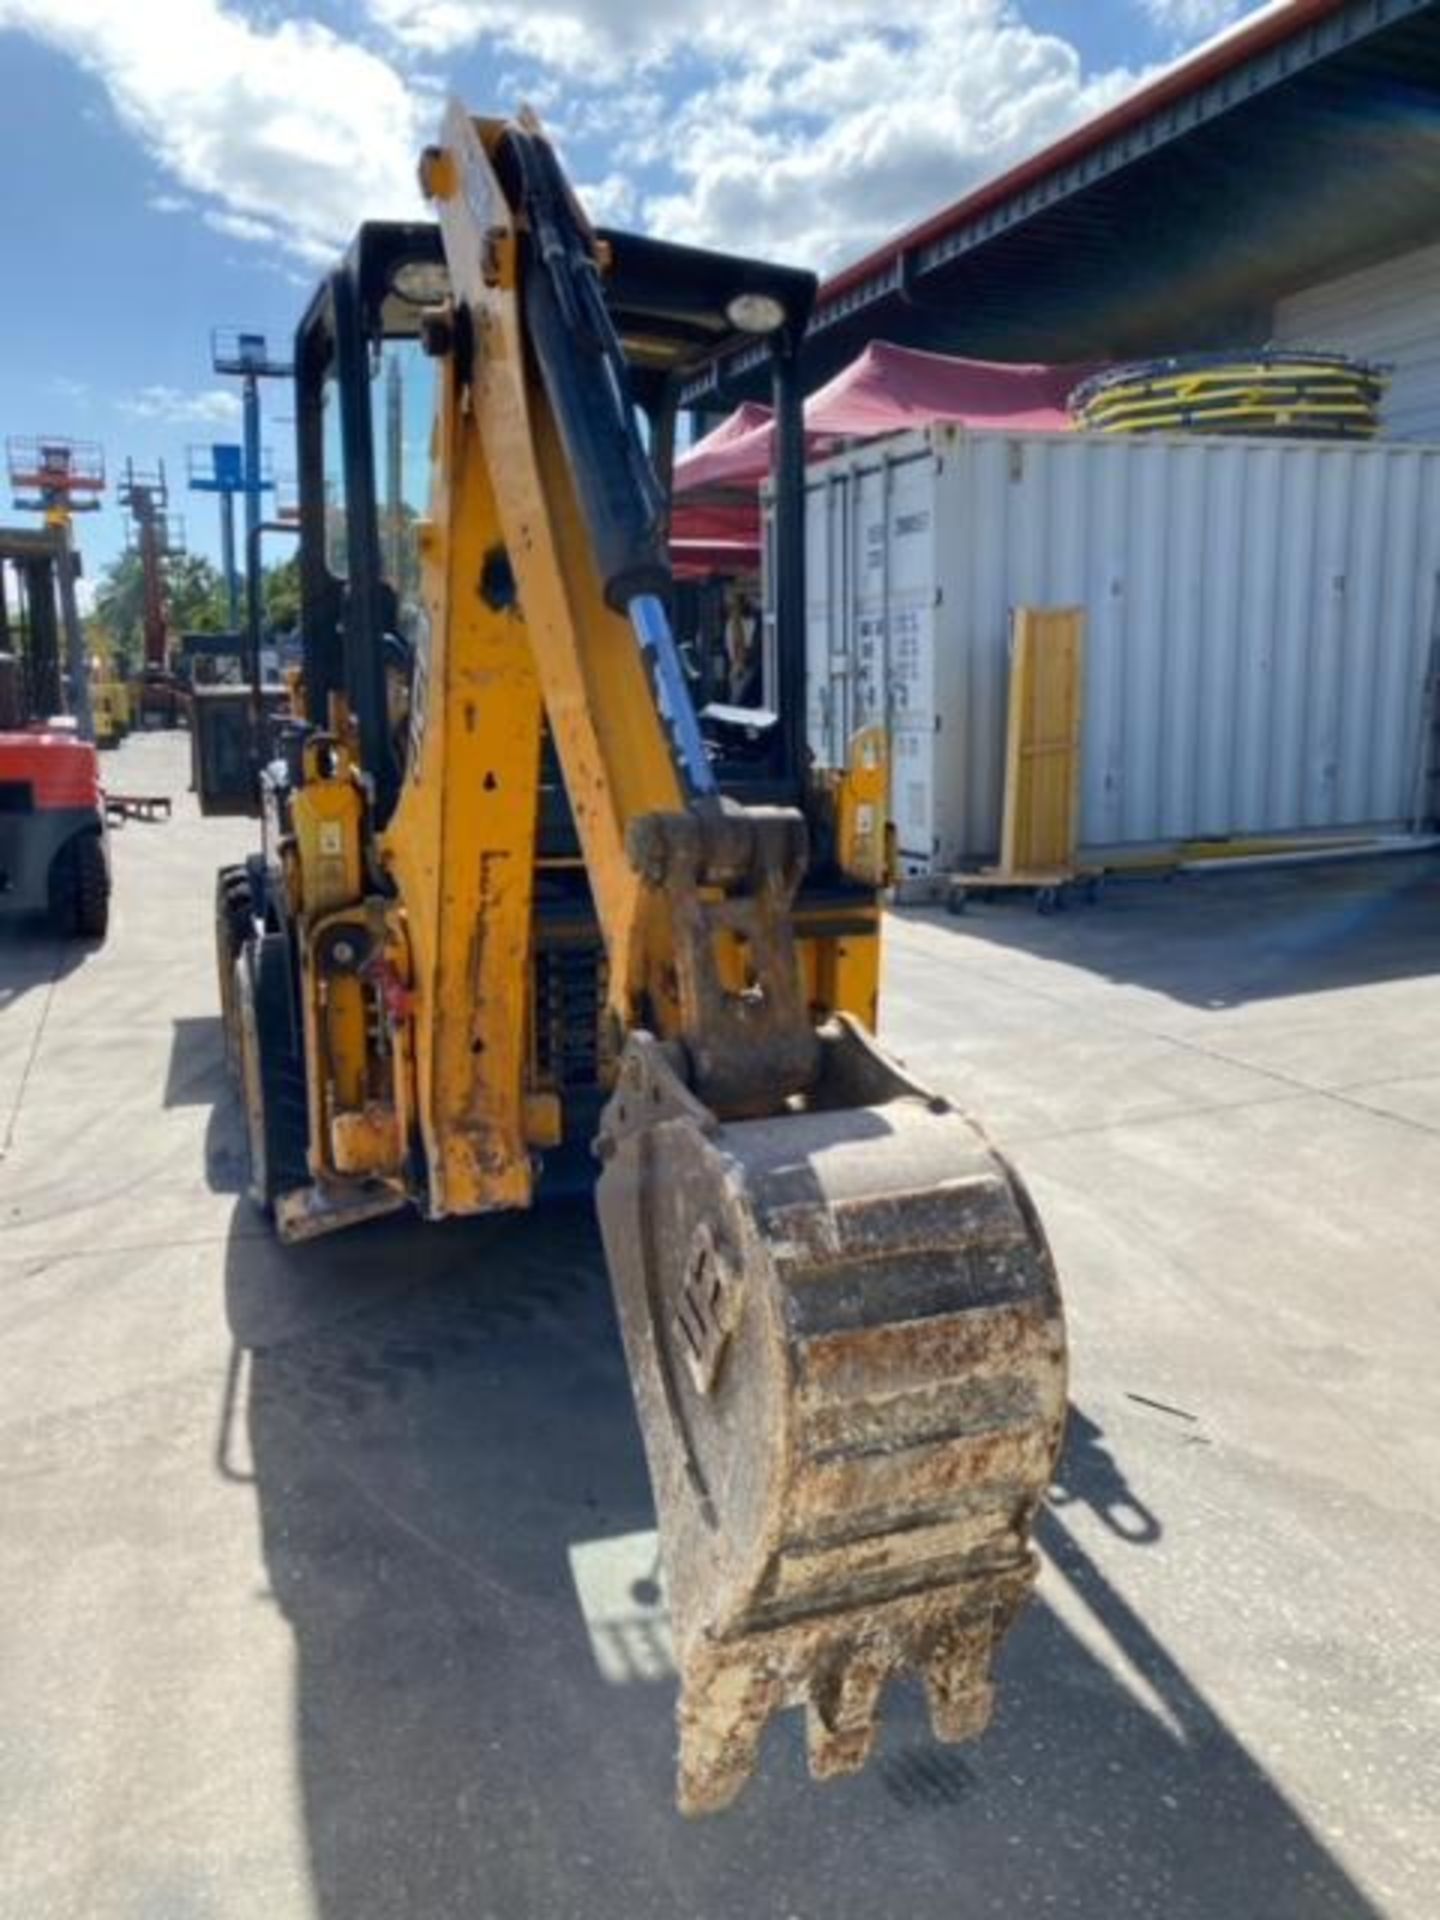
(846, 1460)
(722, 1714)
(957, 1687)
(840, 1715)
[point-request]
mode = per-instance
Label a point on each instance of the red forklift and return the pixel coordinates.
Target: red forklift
(54, 846)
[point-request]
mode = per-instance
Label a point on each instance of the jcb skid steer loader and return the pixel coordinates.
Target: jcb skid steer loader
(511, 896)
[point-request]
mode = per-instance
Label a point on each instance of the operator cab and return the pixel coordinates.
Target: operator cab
(365, 394)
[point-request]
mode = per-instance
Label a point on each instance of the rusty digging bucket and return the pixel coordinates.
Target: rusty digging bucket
(846, 1343)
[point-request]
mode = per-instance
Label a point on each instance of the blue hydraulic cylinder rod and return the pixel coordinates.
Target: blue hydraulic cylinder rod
(652, 629)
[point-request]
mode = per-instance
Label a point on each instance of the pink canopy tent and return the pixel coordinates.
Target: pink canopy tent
(890, 388)
(885, 391)
(734, 454)
(732, 459)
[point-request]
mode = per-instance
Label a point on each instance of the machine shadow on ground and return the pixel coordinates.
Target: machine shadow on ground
(33, 959)
(195, 1074)
(431, 1419)
(1224, 939)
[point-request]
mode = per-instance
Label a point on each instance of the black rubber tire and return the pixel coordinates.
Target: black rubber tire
(80, 889)
(234, 925)
(273, 1070)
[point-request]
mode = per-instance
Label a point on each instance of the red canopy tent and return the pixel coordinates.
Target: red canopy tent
(886, 390)
(890, 388)
(734, 454)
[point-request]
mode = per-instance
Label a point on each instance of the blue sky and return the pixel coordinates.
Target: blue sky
(170, 165)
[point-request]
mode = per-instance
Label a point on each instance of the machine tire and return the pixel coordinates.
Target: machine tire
(234, 924)
(272, 1070)
(80, 889)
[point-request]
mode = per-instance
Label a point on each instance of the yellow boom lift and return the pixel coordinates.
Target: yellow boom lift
(512, 895)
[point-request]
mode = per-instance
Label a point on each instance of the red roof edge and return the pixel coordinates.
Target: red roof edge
(1207, 63)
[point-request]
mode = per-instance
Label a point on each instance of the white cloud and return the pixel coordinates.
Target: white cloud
(1189, 20)
(816, 130)
(241, 226)
(173, 407)
(287, 126)
(611, 202)
(782, 127)
(169, 203)
(581, 36)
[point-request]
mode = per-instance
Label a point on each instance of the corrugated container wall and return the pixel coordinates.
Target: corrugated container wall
(1259, 626)
(1389, 313)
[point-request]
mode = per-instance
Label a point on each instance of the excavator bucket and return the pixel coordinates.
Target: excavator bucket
(845, 1338)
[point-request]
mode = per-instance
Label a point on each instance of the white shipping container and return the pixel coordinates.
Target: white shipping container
(1259, 626)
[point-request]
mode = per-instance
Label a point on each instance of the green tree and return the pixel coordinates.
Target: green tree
(119, 603)
(194, 595)
(195, 602)
(282, 595)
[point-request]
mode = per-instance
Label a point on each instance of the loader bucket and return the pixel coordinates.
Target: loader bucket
(845, 1338)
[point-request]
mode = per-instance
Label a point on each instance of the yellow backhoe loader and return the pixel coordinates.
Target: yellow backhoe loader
(516, 895)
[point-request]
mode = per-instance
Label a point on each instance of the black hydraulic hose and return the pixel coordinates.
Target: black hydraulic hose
(586, 378)
(587, 382)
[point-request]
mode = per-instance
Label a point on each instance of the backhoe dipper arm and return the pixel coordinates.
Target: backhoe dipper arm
(547, 398)
(839, 1313)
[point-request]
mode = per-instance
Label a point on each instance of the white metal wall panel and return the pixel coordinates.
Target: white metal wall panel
(1259, 623)
(1391, 313)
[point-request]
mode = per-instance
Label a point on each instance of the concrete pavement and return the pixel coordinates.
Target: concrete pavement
(325, 1579)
